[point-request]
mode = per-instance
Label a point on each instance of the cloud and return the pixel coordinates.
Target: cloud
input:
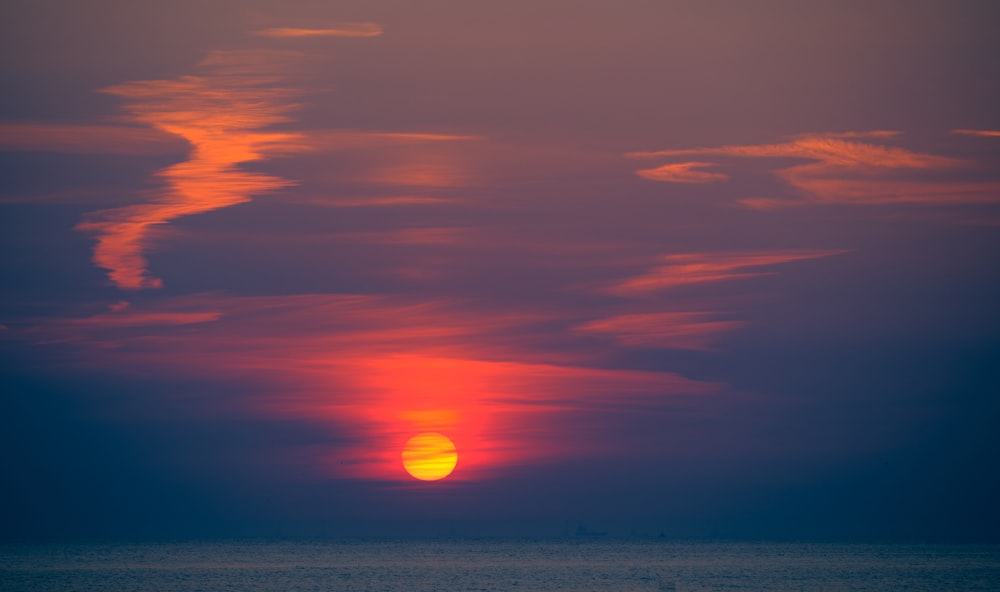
(682, 172)
(119, 319)
(88, 139)
(668, 330)
(876, 192)
(376, 370)
(224, 115)
(121, 323)
(981, 133)
(865, 134)
(829, 150)
(408, 236)
(843, 170)
(333, 30)
(352, 139)
(695, 268)
(422, 170)
(379, 201)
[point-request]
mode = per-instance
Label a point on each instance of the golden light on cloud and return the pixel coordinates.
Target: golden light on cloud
(429, 456)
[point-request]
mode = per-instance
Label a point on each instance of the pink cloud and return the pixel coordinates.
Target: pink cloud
(840, 169)
(682, 172)
(695, 268)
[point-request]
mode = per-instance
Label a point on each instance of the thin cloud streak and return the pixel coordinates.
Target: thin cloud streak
(333, 30)
(871, 134)
(699, 331)
(352, 139)
(696, 268)
(682, 172)
(409, 236)
(88, 139)
(974, 132)
(829, 150)
(843, 170)
(376, 201)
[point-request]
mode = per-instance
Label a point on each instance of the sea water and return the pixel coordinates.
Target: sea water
(497, 564)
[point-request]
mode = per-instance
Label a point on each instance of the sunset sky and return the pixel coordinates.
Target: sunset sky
(708, 268)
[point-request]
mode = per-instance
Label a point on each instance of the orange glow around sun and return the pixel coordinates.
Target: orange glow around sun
(429, 456)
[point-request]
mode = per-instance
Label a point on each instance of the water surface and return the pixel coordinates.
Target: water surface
(497, 564)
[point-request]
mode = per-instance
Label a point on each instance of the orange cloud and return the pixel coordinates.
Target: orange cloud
(694, 268)
(334, 30)
(825, 150)
(223, 114)
(982, 133)
(682, 172)
(842, 170)
(88, 139)
(668, 330)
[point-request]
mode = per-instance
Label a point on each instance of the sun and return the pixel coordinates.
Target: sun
(429, 456)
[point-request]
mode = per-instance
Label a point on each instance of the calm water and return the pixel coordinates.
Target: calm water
(482, 565)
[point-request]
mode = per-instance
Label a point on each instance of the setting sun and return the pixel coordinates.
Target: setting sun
(429, 456)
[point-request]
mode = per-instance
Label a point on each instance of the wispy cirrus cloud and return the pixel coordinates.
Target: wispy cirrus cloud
(223, 114)
(694, 268)
(88, 139)
(977, 132)
(846, 168)
(379, 201)
(829, 149)
(329, 30)
(682, 172)
(869, 134)
(667, 330)
(431, 235)
(353, 139)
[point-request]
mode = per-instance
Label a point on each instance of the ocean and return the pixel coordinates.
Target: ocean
(523, 565)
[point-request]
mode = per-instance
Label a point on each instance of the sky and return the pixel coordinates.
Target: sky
(700, 268)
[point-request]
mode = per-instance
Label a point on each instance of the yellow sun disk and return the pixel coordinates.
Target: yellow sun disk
(429, 456)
